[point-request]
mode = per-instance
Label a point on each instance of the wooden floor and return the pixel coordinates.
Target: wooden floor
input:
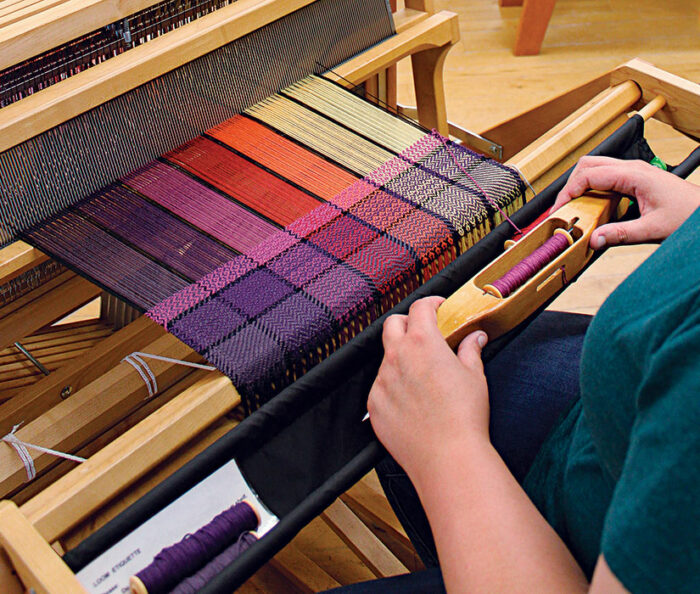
(486, 85)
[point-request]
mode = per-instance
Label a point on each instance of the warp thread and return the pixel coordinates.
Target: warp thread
(532, 264)
(24, 455)
(194, 551)
(195, 583)
(522, 176)
(490, 200)
(135, 359)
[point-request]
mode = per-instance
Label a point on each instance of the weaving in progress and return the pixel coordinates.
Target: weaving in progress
(278, 235)
(206, 165)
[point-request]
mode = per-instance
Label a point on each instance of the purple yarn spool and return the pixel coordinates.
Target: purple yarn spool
(529, 266)
(195, 583)
(176, 562)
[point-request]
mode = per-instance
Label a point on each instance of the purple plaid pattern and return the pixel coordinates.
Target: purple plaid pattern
(265, 317)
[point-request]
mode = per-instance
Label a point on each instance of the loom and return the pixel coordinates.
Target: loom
(89, 408)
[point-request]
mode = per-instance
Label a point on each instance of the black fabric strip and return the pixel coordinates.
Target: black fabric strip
(688, 165)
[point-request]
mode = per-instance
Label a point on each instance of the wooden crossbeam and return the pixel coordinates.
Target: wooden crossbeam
(69, 380)
(78, 494)
(75, 421)
(375, 512)
(17, 258)
(43, 306)
(301, 571)
(360, 539)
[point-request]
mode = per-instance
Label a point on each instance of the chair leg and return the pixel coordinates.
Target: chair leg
(533, 25)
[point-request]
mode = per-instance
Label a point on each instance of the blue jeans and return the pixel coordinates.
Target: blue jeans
(532, 382)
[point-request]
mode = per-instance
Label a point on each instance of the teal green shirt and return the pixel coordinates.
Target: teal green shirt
(620, 474)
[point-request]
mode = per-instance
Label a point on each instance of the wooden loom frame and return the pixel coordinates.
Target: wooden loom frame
(24, 531)
(426, 37)
(421, 34)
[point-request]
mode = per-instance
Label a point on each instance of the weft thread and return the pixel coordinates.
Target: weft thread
(194, 551)
(195, 583)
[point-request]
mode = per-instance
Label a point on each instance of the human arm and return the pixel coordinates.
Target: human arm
(430, 409)
(665, 200)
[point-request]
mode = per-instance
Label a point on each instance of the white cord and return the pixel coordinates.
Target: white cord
(21, 449)
(135, 359)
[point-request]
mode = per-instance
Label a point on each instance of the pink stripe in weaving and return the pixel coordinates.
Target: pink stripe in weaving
(406, 159)
(173, 306)
(272, 246)
(211, 212)
(314, 220)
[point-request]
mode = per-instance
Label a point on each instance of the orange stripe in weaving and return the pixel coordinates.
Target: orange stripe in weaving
(284, 156)
(249, 184)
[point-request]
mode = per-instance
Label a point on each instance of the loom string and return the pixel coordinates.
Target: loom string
(22, 451)
(522, 176)
(135, 359)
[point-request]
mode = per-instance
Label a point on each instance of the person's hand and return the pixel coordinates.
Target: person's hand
(665, 200)
(426, 400)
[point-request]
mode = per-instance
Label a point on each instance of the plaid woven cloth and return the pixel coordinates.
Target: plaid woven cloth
(266, 316)
(275, 237)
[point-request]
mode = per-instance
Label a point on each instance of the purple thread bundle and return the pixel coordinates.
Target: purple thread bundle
(532, 264)
(183, 559)
(195, 583)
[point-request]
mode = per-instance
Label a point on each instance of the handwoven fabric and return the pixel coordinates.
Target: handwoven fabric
(281, 155)
(208, 210)
(267, 316)
(275, 237)
(168, 239)
(244, 181)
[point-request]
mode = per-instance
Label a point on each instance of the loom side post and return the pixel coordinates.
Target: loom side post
(430, 92)
(33, 559)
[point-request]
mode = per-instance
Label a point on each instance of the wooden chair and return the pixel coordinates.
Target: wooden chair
(532, 26)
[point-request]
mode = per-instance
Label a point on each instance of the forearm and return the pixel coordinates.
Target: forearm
(489, 535)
